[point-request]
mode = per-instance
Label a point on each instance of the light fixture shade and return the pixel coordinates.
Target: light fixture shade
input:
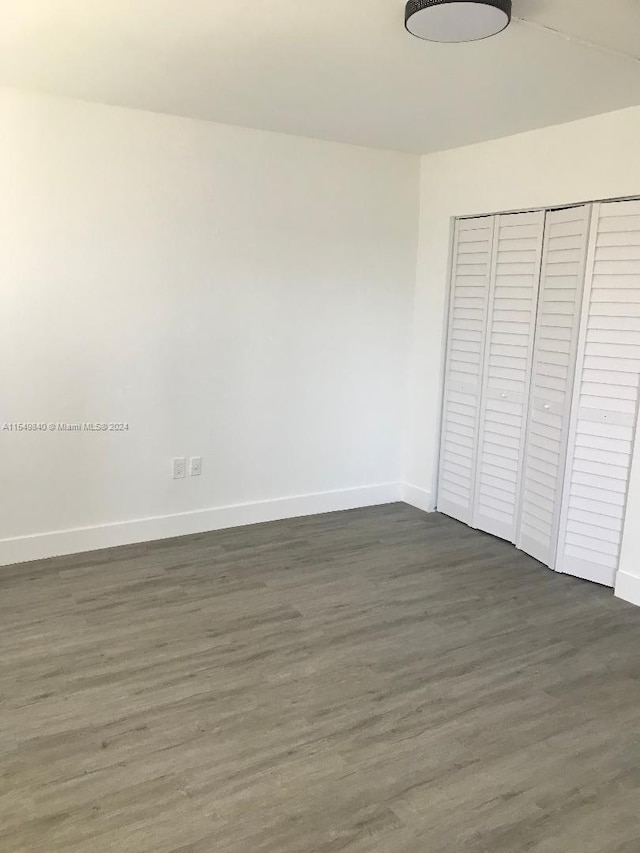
(456, 20)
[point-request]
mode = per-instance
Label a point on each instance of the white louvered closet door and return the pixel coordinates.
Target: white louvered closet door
(605, 398)
(507, 369)
(554, 358)
(473, 242)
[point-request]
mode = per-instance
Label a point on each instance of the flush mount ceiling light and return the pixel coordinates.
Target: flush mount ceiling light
(456, 20)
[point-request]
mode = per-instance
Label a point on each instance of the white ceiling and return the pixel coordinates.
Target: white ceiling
(344, 70)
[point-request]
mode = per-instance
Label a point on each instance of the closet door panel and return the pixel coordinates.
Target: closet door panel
(557, 327)
(472, 251)
(605, 399)
(507, 366)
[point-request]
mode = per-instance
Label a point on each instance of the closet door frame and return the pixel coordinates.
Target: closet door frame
(444, 354)
(607, 576)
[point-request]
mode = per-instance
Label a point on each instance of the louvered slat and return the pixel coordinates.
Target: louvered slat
(552, 379)
(472, 252)
(605, 398)
(507, 365)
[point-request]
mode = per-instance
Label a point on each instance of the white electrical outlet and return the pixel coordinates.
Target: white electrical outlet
(179, 467)
(195, 466)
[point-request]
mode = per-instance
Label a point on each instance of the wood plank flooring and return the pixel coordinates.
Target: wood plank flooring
(374, 680)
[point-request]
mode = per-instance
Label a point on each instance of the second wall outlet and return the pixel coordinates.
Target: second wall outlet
(179, 467)
(195, 466)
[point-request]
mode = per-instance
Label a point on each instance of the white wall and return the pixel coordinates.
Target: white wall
(596, 158)
(235, 294)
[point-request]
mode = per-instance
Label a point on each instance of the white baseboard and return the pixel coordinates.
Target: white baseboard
(57, 543)
(628, 588)
(420, 498)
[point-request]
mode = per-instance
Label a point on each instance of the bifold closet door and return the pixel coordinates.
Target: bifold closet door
(472, 249)
(605, 398)
(510, 333)
(554, 358)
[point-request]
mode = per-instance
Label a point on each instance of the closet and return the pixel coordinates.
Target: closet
(541, 381)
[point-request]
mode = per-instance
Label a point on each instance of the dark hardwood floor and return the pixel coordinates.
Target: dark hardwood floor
(374, 680)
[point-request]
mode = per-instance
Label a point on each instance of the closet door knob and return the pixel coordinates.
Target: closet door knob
(503, 395)
(546, 406)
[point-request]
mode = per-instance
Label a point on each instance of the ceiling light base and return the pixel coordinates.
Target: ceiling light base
(456, 21)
